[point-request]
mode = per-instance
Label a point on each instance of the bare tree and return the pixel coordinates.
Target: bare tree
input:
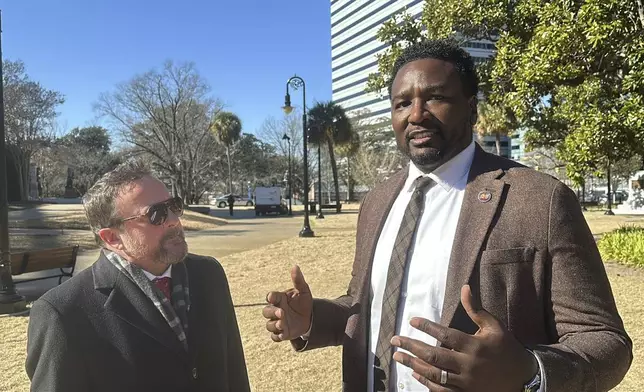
(166, 115)
(30, 111)
(373, 166)
(87, 151)
(52, 172)
(376, 157)
(272, 131)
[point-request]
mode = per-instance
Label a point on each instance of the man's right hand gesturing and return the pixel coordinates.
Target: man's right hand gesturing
(289, 312)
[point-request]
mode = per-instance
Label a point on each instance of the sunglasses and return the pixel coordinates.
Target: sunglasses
(158, 213)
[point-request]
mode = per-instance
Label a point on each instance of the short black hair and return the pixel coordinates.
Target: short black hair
(440, 49)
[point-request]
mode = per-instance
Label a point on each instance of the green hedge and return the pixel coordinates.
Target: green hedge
(624, 245)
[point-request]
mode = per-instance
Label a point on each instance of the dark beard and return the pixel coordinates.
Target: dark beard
(429, 157)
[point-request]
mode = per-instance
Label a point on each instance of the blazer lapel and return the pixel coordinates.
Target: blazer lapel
(376, 217)
(481, 202)
(128, 302)
(372, 219)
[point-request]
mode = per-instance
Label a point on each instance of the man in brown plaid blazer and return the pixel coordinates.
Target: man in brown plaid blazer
(520, 302)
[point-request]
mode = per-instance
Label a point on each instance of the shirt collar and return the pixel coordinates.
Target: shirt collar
(166, 274)
(448, 174)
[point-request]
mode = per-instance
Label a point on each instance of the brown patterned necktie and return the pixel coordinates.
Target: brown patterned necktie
(399, 258)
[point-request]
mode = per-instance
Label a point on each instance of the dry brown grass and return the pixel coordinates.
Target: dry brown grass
(628, 288)
(13, 345)
(75, 219)
(326, 264)
(84, 239)
(601, 224)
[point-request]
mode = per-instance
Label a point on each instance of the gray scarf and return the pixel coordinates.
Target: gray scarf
(175, 313)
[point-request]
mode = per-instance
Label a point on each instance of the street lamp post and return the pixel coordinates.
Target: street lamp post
(296, 82)
(289, 178)
(320, 215)
(10, 300)
(609, 199)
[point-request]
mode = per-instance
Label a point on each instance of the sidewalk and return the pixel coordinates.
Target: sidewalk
(238, 235)
(38, 232)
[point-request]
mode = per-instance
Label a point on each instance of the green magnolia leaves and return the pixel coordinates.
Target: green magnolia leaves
(570, 71)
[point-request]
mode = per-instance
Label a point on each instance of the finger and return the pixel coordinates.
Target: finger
(435, 387)
(272, 312)
(276, 298)
(275, 338)
(449, 337)
(298, 280)
(430, 355)
(475, 310)
(426, 371)
(274, 327)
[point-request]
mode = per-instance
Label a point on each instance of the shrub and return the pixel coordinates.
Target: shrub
(624, 245)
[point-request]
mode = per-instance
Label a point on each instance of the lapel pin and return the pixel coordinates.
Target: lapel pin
(484, 196)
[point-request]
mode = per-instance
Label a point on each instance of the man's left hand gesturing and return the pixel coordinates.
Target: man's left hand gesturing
(490, 360)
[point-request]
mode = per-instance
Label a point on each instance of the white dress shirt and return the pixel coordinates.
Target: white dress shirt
(423, 286)
(166, 274)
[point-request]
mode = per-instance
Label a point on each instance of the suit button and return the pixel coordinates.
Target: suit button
(401, 386)
(194, 373)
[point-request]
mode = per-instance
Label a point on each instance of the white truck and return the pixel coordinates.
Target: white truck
(269, 200)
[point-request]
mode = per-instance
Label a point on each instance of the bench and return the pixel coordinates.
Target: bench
(313, 206)
(330, 207)
(63, 259)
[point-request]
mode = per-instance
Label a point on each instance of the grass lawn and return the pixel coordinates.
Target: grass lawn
(73, 218)
(326, 263)
(84, 239)
(600, 223)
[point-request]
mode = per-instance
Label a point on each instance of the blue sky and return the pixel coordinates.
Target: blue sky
(246, 50)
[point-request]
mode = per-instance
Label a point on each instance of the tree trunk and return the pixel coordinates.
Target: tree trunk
(230, 171)
(498, 143)
(18, 162)
(22, 180)
(334, 169)
(640, 11)
(583, 192)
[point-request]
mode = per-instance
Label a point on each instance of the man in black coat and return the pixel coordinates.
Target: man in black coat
(147, 316)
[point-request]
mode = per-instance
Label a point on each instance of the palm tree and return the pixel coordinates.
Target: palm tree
(349, 150)
(329, 124)
(226, 127)
(493, 120)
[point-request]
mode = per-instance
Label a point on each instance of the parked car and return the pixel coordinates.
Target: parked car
(619, 196)
(222, 201)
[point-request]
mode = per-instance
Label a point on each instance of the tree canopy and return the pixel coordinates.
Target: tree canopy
(570, 71)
